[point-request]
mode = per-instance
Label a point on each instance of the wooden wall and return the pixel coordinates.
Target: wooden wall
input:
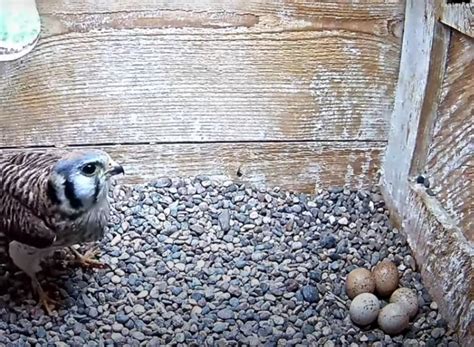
(292, 93)
(428, 164)
(450, 164)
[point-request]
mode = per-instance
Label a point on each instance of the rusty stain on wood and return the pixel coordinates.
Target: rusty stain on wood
(301, 167)
(451, 163)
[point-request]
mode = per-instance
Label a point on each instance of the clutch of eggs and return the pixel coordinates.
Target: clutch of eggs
(361, 287)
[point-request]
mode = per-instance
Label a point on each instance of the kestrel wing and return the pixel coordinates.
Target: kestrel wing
(23, 211)
(23, 226)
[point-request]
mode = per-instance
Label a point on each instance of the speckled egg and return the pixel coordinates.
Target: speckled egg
(359, 281)
(364, 309)
(393, 319)
(408, 299)
(386, 278)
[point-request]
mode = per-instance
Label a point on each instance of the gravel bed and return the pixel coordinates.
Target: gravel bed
(193, 262)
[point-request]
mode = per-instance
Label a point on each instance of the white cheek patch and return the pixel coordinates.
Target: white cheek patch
(84, 190)
(84, 187)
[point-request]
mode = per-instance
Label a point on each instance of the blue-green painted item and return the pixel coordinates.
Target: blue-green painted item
(20, 26)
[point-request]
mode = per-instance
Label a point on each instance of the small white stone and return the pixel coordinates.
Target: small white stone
(254, 215)
(200, 264)
(125, 226)
(162, 217)
(343, 221)
(116, 240)
(116, 279)
(371, 206)
(142, 294)
(180, 266)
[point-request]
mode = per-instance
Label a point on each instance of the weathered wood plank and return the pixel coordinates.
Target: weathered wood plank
(294, 166)
(442, 252)
(291, 76)
(441, 249)
(429, 107)
(459, 17)
(415, 65)
(451, 159)
(283, 8)
(381, 18)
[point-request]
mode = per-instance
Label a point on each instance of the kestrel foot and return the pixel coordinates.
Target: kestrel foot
(88, 259)
(43, 298)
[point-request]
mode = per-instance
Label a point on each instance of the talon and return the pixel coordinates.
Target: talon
(87, 260)
(44, 299)
(48, 303)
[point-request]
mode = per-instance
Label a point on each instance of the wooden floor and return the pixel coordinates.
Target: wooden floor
(290, 93)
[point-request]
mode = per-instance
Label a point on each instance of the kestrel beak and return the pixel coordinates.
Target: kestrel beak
(115, 169)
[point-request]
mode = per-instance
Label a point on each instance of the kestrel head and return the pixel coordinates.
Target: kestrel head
(79, 181)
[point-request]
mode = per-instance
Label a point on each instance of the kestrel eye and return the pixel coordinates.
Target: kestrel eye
(89, 169)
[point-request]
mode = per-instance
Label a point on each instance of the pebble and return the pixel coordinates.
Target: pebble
(225, 314)
(437, 332)
(138, 335)
(310, 294)
(138, 310)
(116, 279)
(224, 220)
(343, 221)
(258, 256)
(193, 262)
(328, 241)
(292, 285)
(93, 312)
(297, 245)
(278, 320)
(220, 327)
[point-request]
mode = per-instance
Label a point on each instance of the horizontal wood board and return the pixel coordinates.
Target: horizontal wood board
(450, 162)
(300, 167)
(125, 72)
(256, 7)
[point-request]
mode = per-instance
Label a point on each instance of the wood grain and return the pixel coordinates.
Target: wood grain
(374, 17)
(441, 249)
(429, 108)
(451, 162)
(335, 8)
(418, 42)
(300, 167)
(439, 246)
(203, 72)
(459, 17)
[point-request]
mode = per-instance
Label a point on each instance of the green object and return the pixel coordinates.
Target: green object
(20, 27)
